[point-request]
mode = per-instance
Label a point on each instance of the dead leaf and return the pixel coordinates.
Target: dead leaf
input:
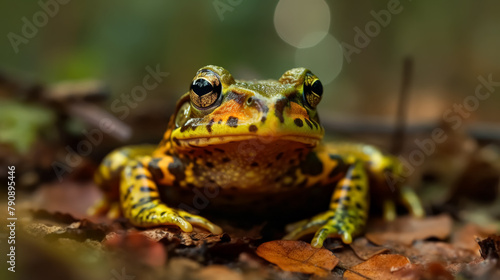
(384, 267)
(365, 250)
(194, 238)
(298, 256)
(490, 247)
(347, 258)
(406, 230)
(465, 237)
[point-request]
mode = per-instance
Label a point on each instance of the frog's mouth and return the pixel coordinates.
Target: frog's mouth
(251, 139)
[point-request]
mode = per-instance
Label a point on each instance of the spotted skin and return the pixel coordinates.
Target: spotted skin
(251, 140)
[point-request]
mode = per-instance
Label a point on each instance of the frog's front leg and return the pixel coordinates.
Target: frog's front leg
(140, 198)
(347, 213)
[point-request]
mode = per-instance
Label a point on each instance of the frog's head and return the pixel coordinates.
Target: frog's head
(219, 109)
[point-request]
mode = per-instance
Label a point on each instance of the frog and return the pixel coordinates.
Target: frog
(206, 144)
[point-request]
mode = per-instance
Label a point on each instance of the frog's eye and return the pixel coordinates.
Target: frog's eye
(313, 90)
(205, 89)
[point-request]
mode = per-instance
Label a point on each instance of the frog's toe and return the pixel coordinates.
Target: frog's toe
(201, 222)
(332, 229)
(410, 199)
(171, 217)
(304, 227)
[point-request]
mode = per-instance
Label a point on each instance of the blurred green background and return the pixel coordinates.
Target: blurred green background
(451, 42)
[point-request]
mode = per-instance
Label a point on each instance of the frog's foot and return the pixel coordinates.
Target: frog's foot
(411, 201)
(325, 225)
(152, 214)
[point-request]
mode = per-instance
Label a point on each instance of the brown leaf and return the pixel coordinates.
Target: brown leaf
(490, 247)
(465, 237)
(383, 267)
(407, 229)
(194, 238)
(347, 258)
(365, 250)
(298, 256)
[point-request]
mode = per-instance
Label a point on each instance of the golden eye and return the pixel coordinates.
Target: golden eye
(313, 90)
(205, 89)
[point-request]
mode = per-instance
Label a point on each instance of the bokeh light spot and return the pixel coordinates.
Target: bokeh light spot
(300, 23)
(324, 60)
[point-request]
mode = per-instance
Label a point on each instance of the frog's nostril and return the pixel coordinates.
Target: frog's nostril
(250, 101)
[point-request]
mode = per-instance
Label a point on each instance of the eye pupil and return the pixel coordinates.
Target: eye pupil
(317, 88)
(205, 90)
(313, 90)
(202, 87)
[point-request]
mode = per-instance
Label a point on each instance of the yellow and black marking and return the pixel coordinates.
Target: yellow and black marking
(354, 168)
(257, 137)
(140, 200)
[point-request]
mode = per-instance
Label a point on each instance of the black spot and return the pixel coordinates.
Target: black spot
(340, 168)
(177, 142)
(209, 164)
(252, 128)
(356, 177)
(346, 188)
(279, 107)
(225, 160)
(219, 150)
(359, 206)
(219, 122)
(269, 165)
(298, 122)
(147, 189)
(263, 119)
(141, 176)
(207, 152)
(129, 191)
(209, 125)
(155, 168)
(315, 124)
(184, 128)
(278, 157)
(177, 169)
(309, 124)
(359, 188)
(144, 200)
(311, 165)
(254, 164)
(232, 121)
